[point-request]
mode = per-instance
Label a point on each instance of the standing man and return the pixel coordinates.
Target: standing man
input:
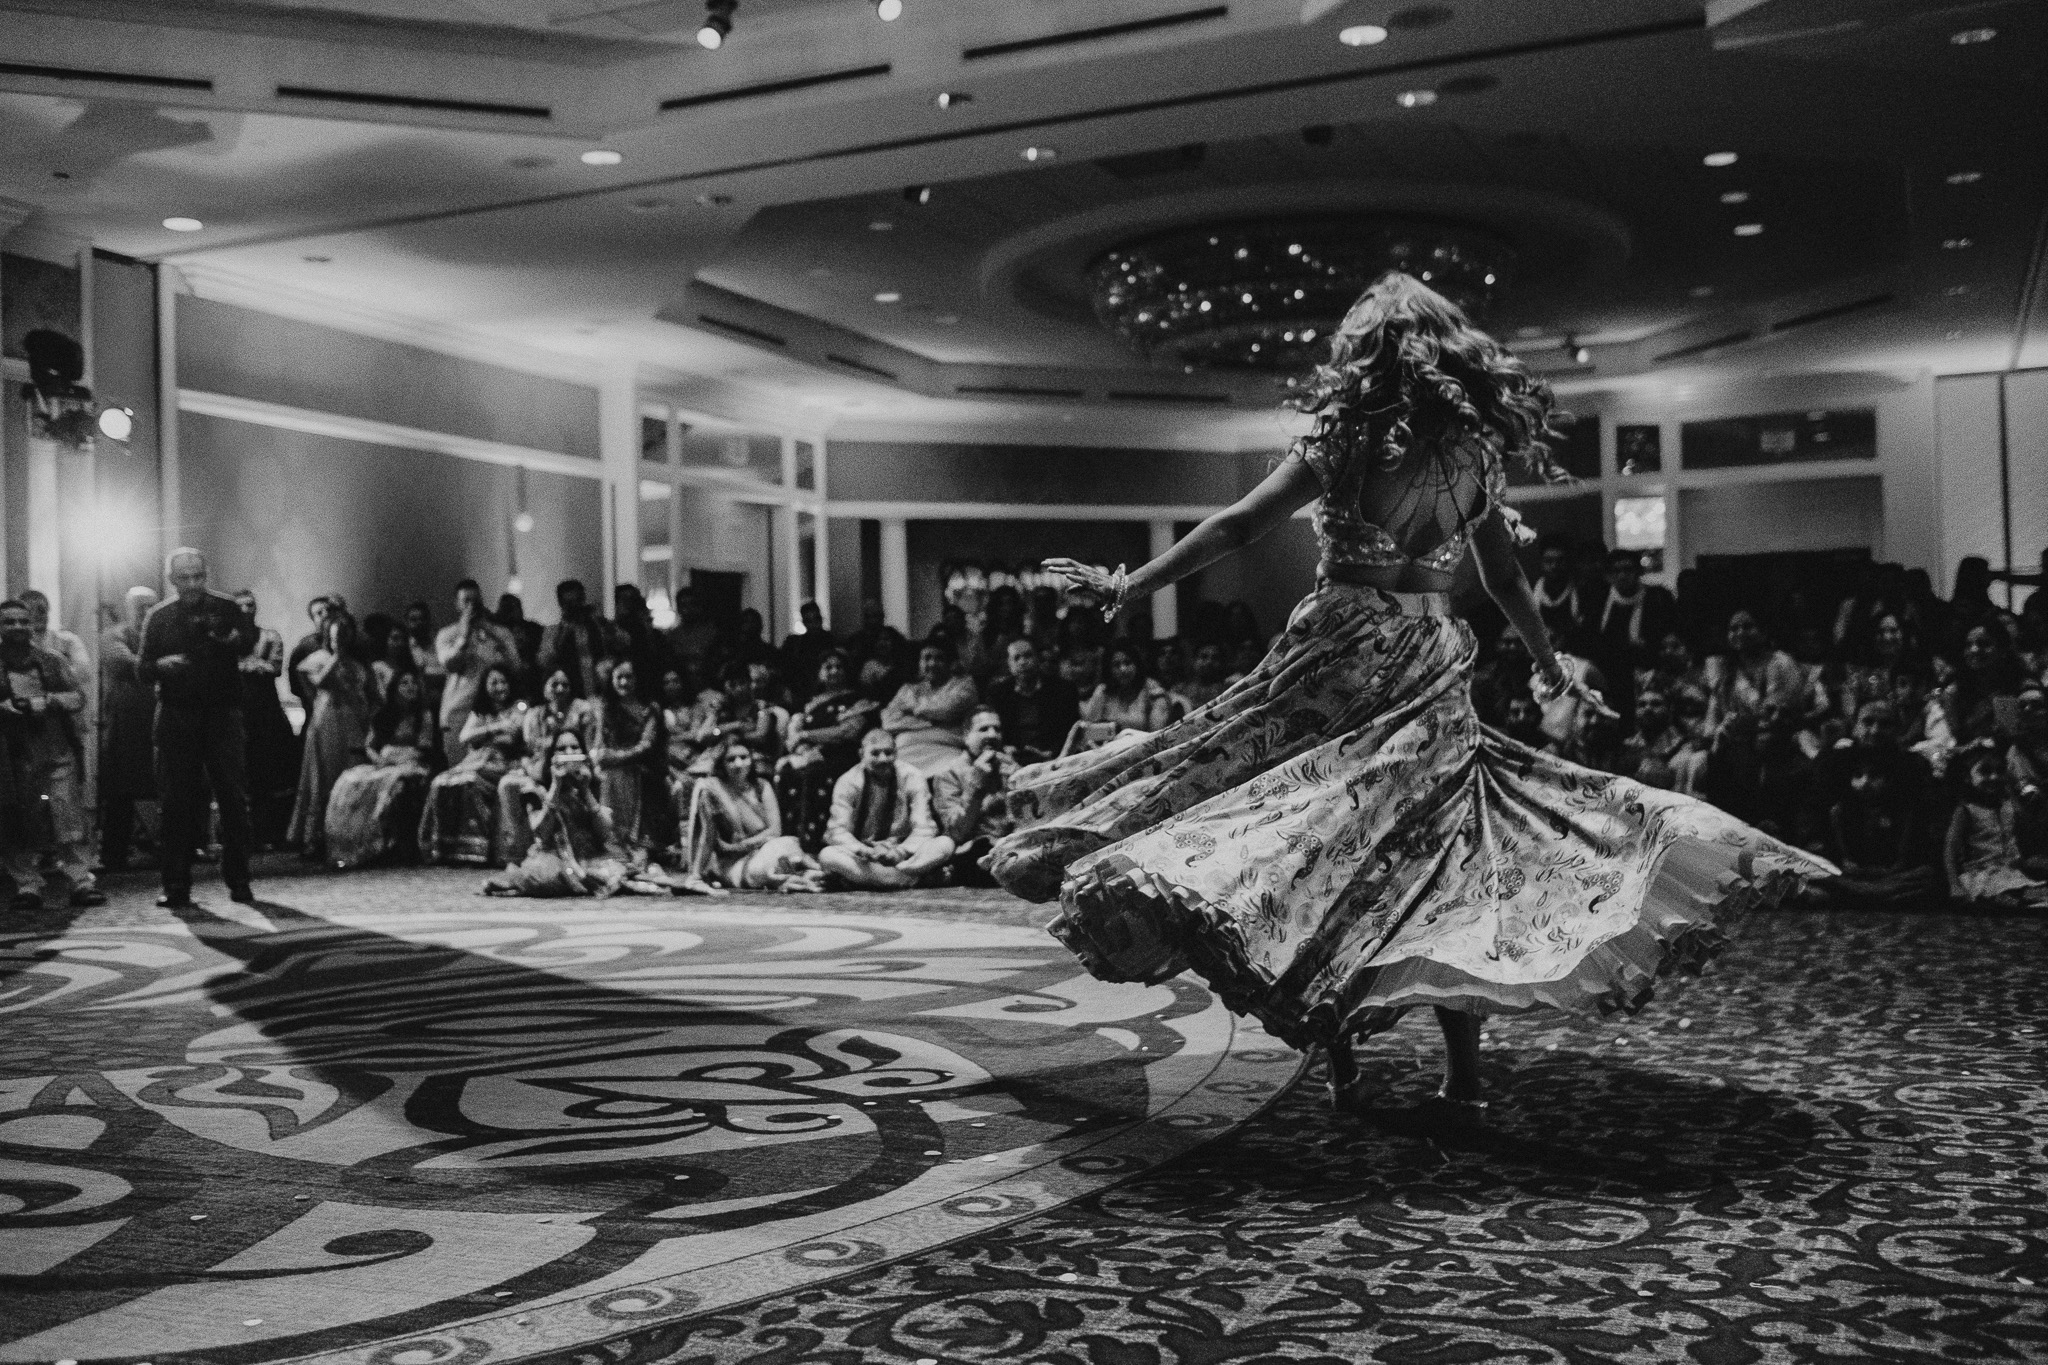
(803, 650)
(466, 651)
(1629, 628)
(317, 611)
(578, 643)
(192, 647)
(42, 806)
(968, 797)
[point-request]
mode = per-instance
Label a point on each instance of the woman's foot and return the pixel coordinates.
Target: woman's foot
(1456, 1115)
(1349, 1092)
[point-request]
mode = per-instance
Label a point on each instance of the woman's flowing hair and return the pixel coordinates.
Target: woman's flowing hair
(1406, 365)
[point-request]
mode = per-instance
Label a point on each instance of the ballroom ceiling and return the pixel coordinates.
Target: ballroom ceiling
(765, 226)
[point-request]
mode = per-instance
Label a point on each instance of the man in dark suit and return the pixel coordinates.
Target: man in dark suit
(1037, 711)
(1628, 627)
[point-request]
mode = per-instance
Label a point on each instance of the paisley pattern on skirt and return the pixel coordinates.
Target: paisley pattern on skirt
(1337, 839)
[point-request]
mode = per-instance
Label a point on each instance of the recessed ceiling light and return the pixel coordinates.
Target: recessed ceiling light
(1970, 37)
(1948, 244)
(1719, 159)
(888, 296)
(316, 260)
(918, 194)
(601, 156)
(1749, 229)
(948, 99)
(881, 225)
(717, 24)
(1037, 154)
(1735, 197)
(1361, 35)
(1415, 99)
(183, 224)
(1964, 177)
(888, 10)
(1702, 291)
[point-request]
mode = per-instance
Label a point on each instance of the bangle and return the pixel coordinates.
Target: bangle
(1546, 691)
(1119, 588)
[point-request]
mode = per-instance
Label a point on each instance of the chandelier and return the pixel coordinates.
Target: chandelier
(1266, 294)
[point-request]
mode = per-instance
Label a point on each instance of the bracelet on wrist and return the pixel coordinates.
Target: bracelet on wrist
(1119, 590)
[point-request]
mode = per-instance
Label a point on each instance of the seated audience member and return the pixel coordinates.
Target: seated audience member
(768, 687)
(929, 716)
(750, 640)
(693, 639)
(1037, 711)
(1678, 674)
(629, 758)
(803, 650)
(374, 809)
(736, 835)
(882, 836)
(393, 655)
(127, 712)
(466, 650)
(570, 847)
(1982, 854)
(1874, 825)
(1877, 651)
(1205, 683)
(1170, 667)
(520, 789)
(635, 637)
(969, 798)
(419, 628)
(1125, 700)
(336, 731)
(1245, 656)
(2026, 768)
(1002, 624)
(679, 737)
(1751, 676)
(874, 630)
(824, 741)
(1661, 752)
(42, 767)
(734, 712)
(880, 672)
(461, 820)
(1565, 715)
(1985, 687)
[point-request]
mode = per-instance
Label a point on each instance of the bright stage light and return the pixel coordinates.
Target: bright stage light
(117, 423)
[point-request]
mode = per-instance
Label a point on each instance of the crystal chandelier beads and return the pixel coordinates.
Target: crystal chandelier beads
(1262, 295)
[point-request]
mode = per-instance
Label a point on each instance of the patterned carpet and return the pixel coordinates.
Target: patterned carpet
(418, 1128)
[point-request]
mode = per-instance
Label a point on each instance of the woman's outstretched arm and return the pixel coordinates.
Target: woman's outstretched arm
(1493, 546)
(1290, 486)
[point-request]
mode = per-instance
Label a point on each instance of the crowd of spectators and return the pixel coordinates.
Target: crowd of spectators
(1902, 736)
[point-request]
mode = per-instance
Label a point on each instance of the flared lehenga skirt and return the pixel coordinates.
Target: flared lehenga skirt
(1336, 839)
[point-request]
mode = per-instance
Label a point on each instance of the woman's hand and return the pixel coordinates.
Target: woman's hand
(1086, 583)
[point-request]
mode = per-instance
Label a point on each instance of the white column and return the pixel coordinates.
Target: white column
(618, 450)
(1165, 602)
(896, 573)
(170, 490)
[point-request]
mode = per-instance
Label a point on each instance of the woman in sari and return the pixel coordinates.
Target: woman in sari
(373, 813)
(736, 836)
(1126, 699)
(1338, 840)
(628, 757)
(521, 789)
(824, 741)
(335, 733)
(572, 847)
(461, 820)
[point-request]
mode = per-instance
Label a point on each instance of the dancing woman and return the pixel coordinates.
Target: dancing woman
(1335, 839)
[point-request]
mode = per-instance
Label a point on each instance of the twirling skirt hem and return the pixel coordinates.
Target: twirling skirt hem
(1698, 889)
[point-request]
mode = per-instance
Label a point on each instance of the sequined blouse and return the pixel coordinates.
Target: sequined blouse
(1421, 512)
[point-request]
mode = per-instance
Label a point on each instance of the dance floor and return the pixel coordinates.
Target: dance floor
(381, 1119)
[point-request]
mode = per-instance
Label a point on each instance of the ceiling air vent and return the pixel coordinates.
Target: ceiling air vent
(1820, 315)
(420, 102)
(1016, 391)
(741, 329)
(863, 367)
(747, 92)
(77, 73)
(1702, 347)
(1089, 35)
(1142, 396)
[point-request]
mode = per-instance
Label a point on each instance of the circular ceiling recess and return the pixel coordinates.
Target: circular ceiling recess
(1261, 294)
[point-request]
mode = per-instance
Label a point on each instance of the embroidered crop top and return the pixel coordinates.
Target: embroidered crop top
(1421, 512)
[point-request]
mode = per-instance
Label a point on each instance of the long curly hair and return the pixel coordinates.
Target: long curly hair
(1406, 364)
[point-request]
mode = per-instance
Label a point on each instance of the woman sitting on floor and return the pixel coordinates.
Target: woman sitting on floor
(374, 809)
(735, 830)
(575, 851)
(1126, 699)
(461, 821)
